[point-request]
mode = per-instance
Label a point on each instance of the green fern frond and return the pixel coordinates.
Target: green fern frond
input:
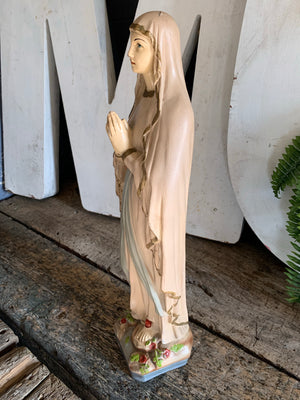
(293, 275)
(293, 223)
(296, 247)
(287, 172)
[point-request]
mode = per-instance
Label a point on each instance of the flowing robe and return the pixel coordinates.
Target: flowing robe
(152, 183)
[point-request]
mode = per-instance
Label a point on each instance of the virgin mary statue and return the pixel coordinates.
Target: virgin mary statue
(152, 160)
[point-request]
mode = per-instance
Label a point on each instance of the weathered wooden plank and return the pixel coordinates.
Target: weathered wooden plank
(9, 360)
(21, 373)
(68, 308)
(7, 338)
(238, 291)
(52, 389)
(24, 387)
(14, 366)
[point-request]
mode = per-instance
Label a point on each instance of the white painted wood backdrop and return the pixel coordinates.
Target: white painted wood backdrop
(3, 193)
(265, 114)
(79, 36)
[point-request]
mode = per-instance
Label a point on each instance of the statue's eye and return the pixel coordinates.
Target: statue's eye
(139, 45)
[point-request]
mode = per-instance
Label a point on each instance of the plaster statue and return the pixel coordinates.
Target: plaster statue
(152, 160)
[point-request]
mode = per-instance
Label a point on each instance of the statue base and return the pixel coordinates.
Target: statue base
(155, 359)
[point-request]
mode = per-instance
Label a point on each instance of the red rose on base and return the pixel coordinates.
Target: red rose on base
(143, 359)
(152, 346)
(148, 323)
(166, 353)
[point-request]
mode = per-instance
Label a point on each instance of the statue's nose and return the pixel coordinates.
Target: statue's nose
(130, 52)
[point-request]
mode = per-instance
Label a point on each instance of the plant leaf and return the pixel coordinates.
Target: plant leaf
(287, 172)
(293, 223)
(293, 275)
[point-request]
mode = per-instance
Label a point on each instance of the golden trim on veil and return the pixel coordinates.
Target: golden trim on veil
(156, 72)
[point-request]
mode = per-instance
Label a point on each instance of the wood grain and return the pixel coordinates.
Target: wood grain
(24, 387)
(7, 338)
(68, 308)
(9, 360)
(52, 389)
(14, 366)
(237, 291)
(22, 376)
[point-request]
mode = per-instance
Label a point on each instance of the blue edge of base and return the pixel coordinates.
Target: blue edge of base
(4, 195)
(158, 372)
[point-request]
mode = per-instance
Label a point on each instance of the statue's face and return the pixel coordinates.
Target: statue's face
(141, 53)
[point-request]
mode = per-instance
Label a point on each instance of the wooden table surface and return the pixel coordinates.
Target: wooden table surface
(62, 289)
(22, 376)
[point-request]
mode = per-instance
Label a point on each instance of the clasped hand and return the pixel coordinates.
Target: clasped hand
(119, 133)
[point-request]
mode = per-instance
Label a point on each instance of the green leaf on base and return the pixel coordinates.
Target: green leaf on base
(177, 347)
(134, 357)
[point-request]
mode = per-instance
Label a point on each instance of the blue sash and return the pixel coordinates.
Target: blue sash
(127, 235)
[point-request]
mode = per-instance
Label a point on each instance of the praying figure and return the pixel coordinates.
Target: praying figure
(152, 161)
